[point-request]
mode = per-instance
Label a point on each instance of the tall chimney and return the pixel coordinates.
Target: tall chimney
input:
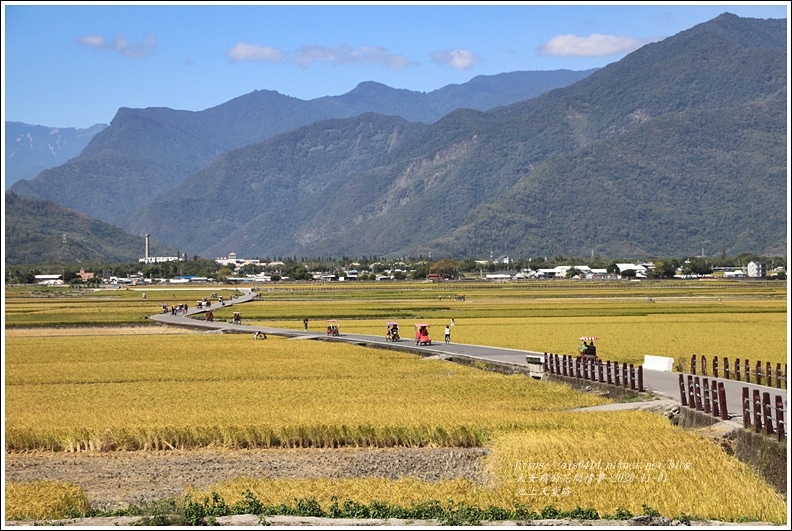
(147, 255)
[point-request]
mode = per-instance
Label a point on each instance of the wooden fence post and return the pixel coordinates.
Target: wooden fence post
(768, 375)
(616, 373)
(608, 371)
(697, 388)
(722, 401)
(625, 378)
(705, 395)
(691, 392)
(703, 365)
(632, 377)
(757, 411)
(715, 366)
(715, 400)
(747, 372)
(780, 424)
(778, 375)
(758, 373)
(682, 390)
(601, 368)
(746, 405)
(640, 379)
(546, 368)
(693, 364)
(768, 413)
(726, 368)
(737, 370)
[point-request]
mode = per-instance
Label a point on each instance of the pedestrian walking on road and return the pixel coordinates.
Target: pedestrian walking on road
(447, 334)
(305, 324)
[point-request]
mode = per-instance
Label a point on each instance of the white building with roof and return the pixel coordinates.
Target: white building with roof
(640, 270)
(756, 269)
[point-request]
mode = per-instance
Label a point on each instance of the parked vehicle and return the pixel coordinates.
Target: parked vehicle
(332, 327)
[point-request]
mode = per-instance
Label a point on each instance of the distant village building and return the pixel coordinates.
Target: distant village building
(156, 259)
(85, 275)
(640, 270)
(756, 269)
(49, 280)
(499, 275)
(234, 262)
(231, 260)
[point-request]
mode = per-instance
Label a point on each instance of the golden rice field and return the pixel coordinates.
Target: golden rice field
(42, 500)
(83, 389)
(750, 324)
(193, 390)
(625, 460)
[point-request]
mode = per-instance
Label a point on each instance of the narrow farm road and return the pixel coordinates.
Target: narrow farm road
(661, 383)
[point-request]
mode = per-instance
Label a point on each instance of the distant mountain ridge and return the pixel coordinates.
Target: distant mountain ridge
(650, 155)
(31, 149)
(153, 149)
(680, 145)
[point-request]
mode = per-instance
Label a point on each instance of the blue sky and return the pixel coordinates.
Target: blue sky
(72, 65)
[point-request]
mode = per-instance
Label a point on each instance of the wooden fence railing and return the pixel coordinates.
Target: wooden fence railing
(611, 373)
(762, 413)
(710, 397)
(706, 396)
(760, 373)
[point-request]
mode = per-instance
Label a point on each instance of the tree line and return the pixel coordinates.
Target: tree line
(369, 267)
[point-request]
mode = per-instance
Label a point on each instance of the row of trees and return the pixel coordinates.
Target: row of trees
(370, 267)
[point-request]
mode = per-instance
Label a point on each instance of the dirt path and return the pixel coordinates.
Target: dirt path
(116, 480)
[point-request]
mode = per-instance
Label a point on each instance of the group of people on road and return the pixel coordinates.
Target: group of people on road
(588, 349)
(176, 309)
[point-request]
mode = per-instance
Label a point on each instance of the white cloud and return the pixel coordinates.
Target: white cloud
(121, 45)
(459, 59)
(346, 54)
(595, 45)
(243, 51)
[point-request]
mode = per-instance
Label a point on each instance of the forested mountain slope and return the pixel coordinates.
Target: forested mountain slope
(679, 146)
(145, 152)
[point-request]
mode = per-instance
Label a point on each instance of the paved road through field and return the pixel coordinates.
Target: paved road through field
(661, 383)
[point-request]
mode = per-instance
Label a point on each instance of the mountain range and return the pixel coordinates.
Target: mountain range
(31, 149)
(678, 147)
